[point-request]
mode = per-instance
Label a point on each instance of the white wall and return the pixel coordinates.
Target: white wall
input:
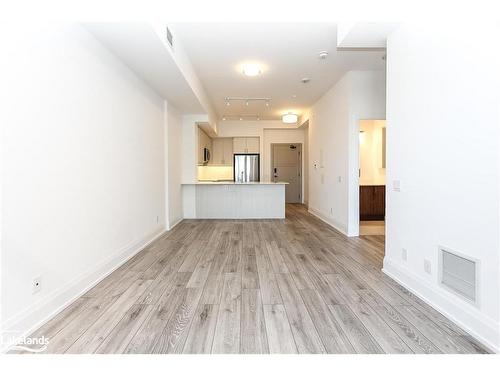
(443, 145)
(82, 168)
(173, 131)
(370, 152)
(189, 161)
(183, 62)
(333, 146)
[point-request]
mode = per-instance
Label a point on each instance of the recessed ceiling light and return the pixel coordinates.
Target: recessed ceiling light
(224, 118)
(241, 118)
(289, 118)
(323, 55)
(251, 70)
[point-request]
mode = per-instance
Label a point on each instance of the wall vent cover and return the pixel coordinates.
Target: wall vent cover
(459, 274)
(170, 38)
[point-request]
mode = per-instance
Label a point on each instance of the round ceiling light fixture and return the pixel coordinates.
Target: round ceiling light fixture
(323, 55)
(290, 118)
(305, 80)
(251, 70)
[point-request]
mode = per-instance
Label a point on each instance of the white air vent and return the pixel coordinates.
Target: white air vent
(170, 38)
(459, 274)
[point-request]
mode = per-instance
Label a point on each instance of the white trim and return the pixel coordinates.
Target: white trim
(478, 325)
(30, 319)
(334, 224)
(175, 224)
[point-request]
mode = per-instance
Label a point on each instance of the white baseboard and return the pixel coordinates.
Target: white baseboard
(481, 327)
(30, 319)
(335, 225)
(178, 221)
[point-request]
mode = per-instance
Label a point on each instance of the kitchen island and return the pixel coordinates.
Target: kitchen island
(236, 200)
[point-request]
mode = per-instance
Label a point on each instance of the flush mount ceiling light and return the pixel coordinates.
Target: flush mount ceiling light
(323, 55)
(305, 80)
(290, 118)
(251, 70)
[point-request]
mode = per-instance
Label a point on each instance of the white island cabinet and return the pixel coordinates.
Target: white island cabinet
(230, 200)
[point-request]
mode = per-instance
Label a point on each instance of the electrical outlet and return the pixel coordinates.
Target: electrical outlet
(339, 179)
(404, 254)
(37, 284)
(427, 266)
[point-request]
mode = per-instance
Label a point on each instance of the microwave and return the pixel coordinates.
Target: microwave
(206, 155)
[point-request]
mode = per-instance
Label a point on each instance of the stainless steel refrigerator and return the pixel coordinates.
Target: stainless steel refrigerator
(246, 168)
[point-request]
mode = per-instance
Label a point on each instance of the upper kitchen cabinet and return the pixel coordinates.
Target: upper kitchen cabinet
(222, 151)
(204, 142)
(246, 145)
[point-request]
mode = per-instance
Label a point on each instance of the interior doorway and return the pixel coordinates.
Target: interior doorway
(286, 166)
(372, 163)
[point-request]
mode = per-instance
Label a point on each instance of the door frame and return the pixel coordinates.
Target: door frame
(301, 160)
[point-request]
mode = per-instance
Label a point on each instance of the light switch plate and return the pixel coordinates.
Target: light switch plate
(427, 266)
(396, 185)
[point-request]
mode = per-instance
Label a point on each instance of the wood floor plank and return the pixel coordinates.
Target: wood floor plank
(173, 337)
(254, 286)
(253, 326)
(267, 278)
(201, 333)
(146, 337)
(334, 339)
(277, 262)
(227, 332)
(445, 343)
(388, 340)
(358, 335)
(304, 332)
(250, 275)
(279, 333)
(125, 330)
(102, 327)
(405, 330)
(61, 320)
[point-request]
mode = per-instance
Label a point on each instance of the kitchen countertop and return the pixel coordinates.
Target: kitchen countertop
(233, 183)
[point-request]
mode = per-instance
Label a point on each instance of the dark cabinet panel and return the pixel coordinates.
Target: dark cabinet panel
(372, 202)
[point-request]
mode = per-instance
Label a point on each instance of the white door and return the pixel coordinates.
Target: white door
(286, 167)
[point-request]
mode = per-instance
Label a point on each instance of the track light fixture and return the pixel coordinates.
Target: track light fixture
(247, 101)
(241, 117)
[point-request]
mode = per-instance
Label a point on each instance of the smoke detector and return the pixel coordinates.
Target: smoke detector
(323, 55)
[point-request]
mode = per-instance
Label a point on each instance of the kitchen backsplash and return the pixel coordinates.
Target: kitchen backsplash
(209, 172)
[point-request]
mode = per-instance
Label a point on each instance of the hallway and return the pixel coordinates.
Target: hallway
(254, 286)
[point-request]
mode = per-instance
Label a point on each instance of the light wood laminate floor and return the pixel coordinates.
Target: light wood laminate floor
(254, 286)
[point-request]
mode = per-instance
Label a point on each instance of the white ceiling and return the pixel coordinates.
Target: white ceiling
(288, 51)
(141, 49)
